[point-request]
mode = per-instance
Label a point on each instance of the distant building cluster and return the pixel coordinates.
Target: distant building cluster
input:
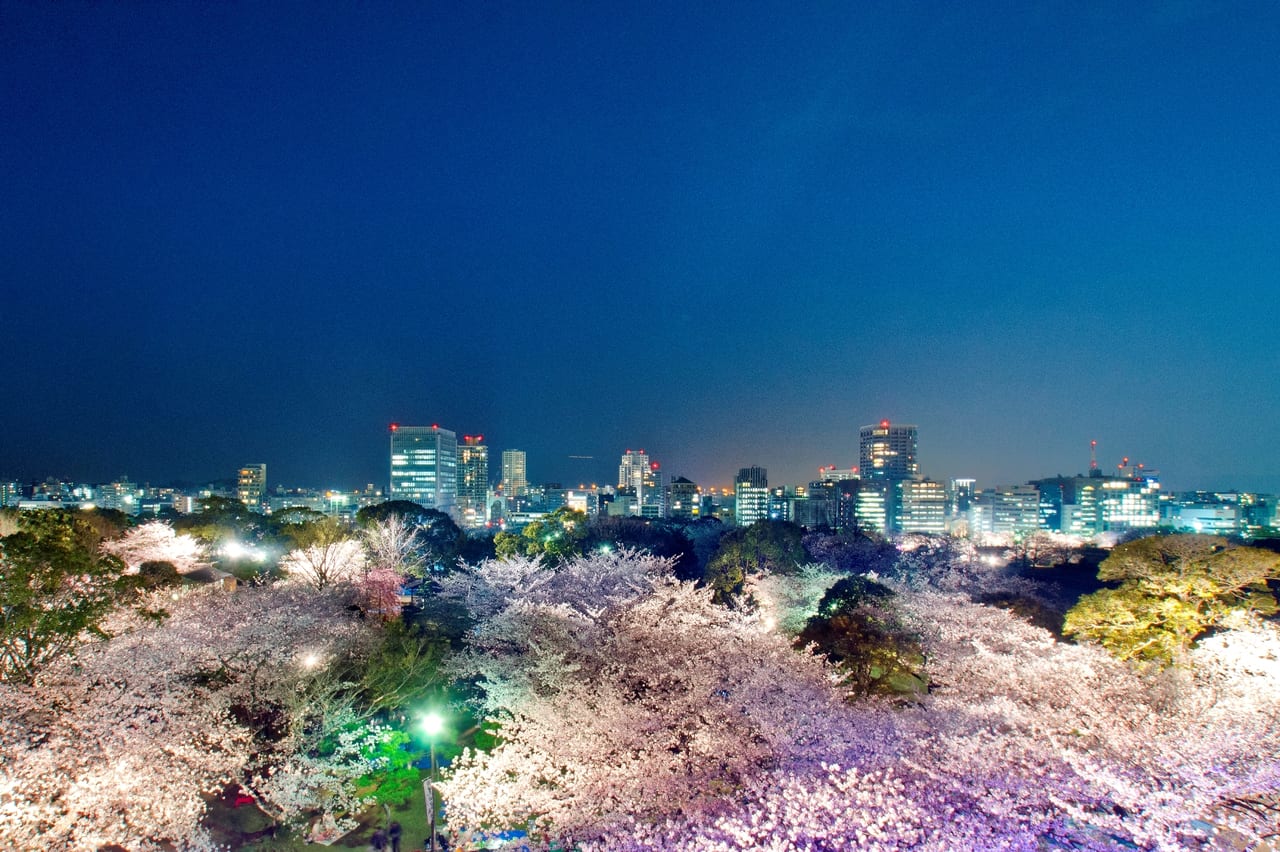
(885, 493)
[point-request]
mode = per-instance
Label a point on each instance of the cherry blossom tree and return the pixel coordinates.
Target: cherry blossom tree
(325, 565)
(155, 541)
(121, 744)
(622, 698)
(393, 550)
(393, 544)
(653, 719)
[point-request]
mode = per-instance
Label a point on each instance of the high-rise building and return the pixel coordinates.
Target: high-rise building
(10, 492)
(641, 478)
(961, 495)
(632, 468)
(922, 506)
(780, 503)
(585, 500)
(251, 485)
(684, 501)
(887, 451)
(424, 466)
(473, 481)
(515, 479)
(1131, 503)
(751, 495)
(1005, 510)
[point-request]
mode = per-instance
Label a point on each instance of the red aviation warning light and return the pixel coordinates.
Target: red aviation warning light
(654, 466)
(395, 427)
(884, 424)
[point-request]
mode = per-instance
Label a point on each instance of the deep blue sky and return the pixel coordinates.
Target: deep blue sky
(259, 232)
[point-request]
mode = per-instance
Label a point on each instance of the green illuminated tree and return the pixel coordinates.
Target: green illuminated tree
(775, 547)
(1172, 590)
(560, 535)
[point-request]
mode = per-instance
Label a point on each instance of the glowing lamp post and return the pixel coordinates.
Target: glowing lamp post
(432, 724)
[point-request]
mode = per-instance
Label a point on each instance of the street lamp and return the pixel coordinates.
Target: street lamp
(432, 724)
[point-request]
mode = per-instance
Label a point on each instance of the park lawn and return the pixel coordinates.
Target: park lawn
(411, 815)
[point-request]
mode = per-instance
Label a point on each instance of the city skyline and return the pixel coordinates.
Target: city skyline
(505, 456)
(732, 235)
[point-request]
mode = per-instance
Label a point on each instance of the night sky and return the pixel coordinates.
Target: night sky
(260, 232)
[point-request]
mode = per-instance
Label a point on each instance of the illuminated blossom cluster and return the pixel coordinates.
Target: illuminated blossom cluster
(325, 565)
(120, 745)
(373, 565)
(156, 541)
(655, 720)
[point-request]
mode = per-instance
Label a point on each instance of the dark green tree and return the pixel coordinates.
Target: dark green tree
(412, 513)
(312, 529)
(442, 540)
(858, 628)
(774, 547)
(158, 575)
(56, 587)
(658, 537)
(402, 671)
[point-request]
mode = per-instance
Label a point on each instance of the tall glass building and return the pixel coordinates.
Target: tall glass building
(424, 466)
(473, 480)
(887, 454)
(888, 451)
(515, 477)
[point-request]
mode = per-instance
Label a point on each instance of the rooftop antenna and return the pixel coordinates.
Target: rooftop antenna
(1093, 455)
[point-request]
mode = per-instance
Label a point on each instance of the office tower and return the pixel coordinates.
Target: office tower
(887, 451)
(751, 495)
(641, 478)
(780, 503)
(872, 504)
(10, 492)
(473, 480)
(961, 495)
(632, 468)
(251, 485)
(1005, 510)
(585, 500)
(684, 500)
(922, 506)
(424, 466)
(515, 481)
